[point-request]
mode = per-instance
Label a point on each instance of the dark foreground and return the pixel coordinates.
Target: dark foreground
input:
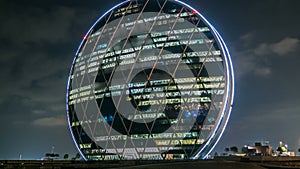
(220, 163)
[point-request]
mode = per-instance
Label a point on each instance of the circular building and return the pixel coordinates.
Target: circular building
(152, 79)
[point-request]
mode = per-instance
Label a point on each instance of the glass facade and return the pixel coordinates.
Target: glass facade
(152, 79)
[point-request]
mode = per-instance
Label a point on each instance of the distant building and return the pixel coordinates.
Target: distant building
(264, 149)
(282, 150)
(51, 156)
(258, 150)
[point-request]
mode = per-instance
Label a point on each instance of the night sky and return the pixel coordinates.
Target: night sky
(38, 41)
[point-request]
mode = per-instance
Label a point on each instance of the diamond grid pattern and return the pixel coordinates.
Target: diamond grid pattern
(128, 146)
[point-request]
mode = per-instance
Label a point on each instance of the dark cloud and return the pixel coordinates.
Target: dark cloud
(39, 26)
(37, 52)
(257, 58)
(38, 40)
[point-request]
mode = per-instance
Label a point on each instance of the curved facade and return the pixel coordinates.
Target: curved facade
(150, 80)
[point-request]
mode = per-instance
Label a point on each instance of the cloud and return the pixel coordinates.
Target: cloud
(263, 71)
(50, 121)
(39, 112)
(286, 46)
(38, 26)
(247, 39)
(281, 48)
(34, 62)
(258, 60)
(247, 62)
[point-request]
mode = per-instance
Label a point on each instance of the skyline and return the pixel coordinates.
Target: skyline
(39, 41)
